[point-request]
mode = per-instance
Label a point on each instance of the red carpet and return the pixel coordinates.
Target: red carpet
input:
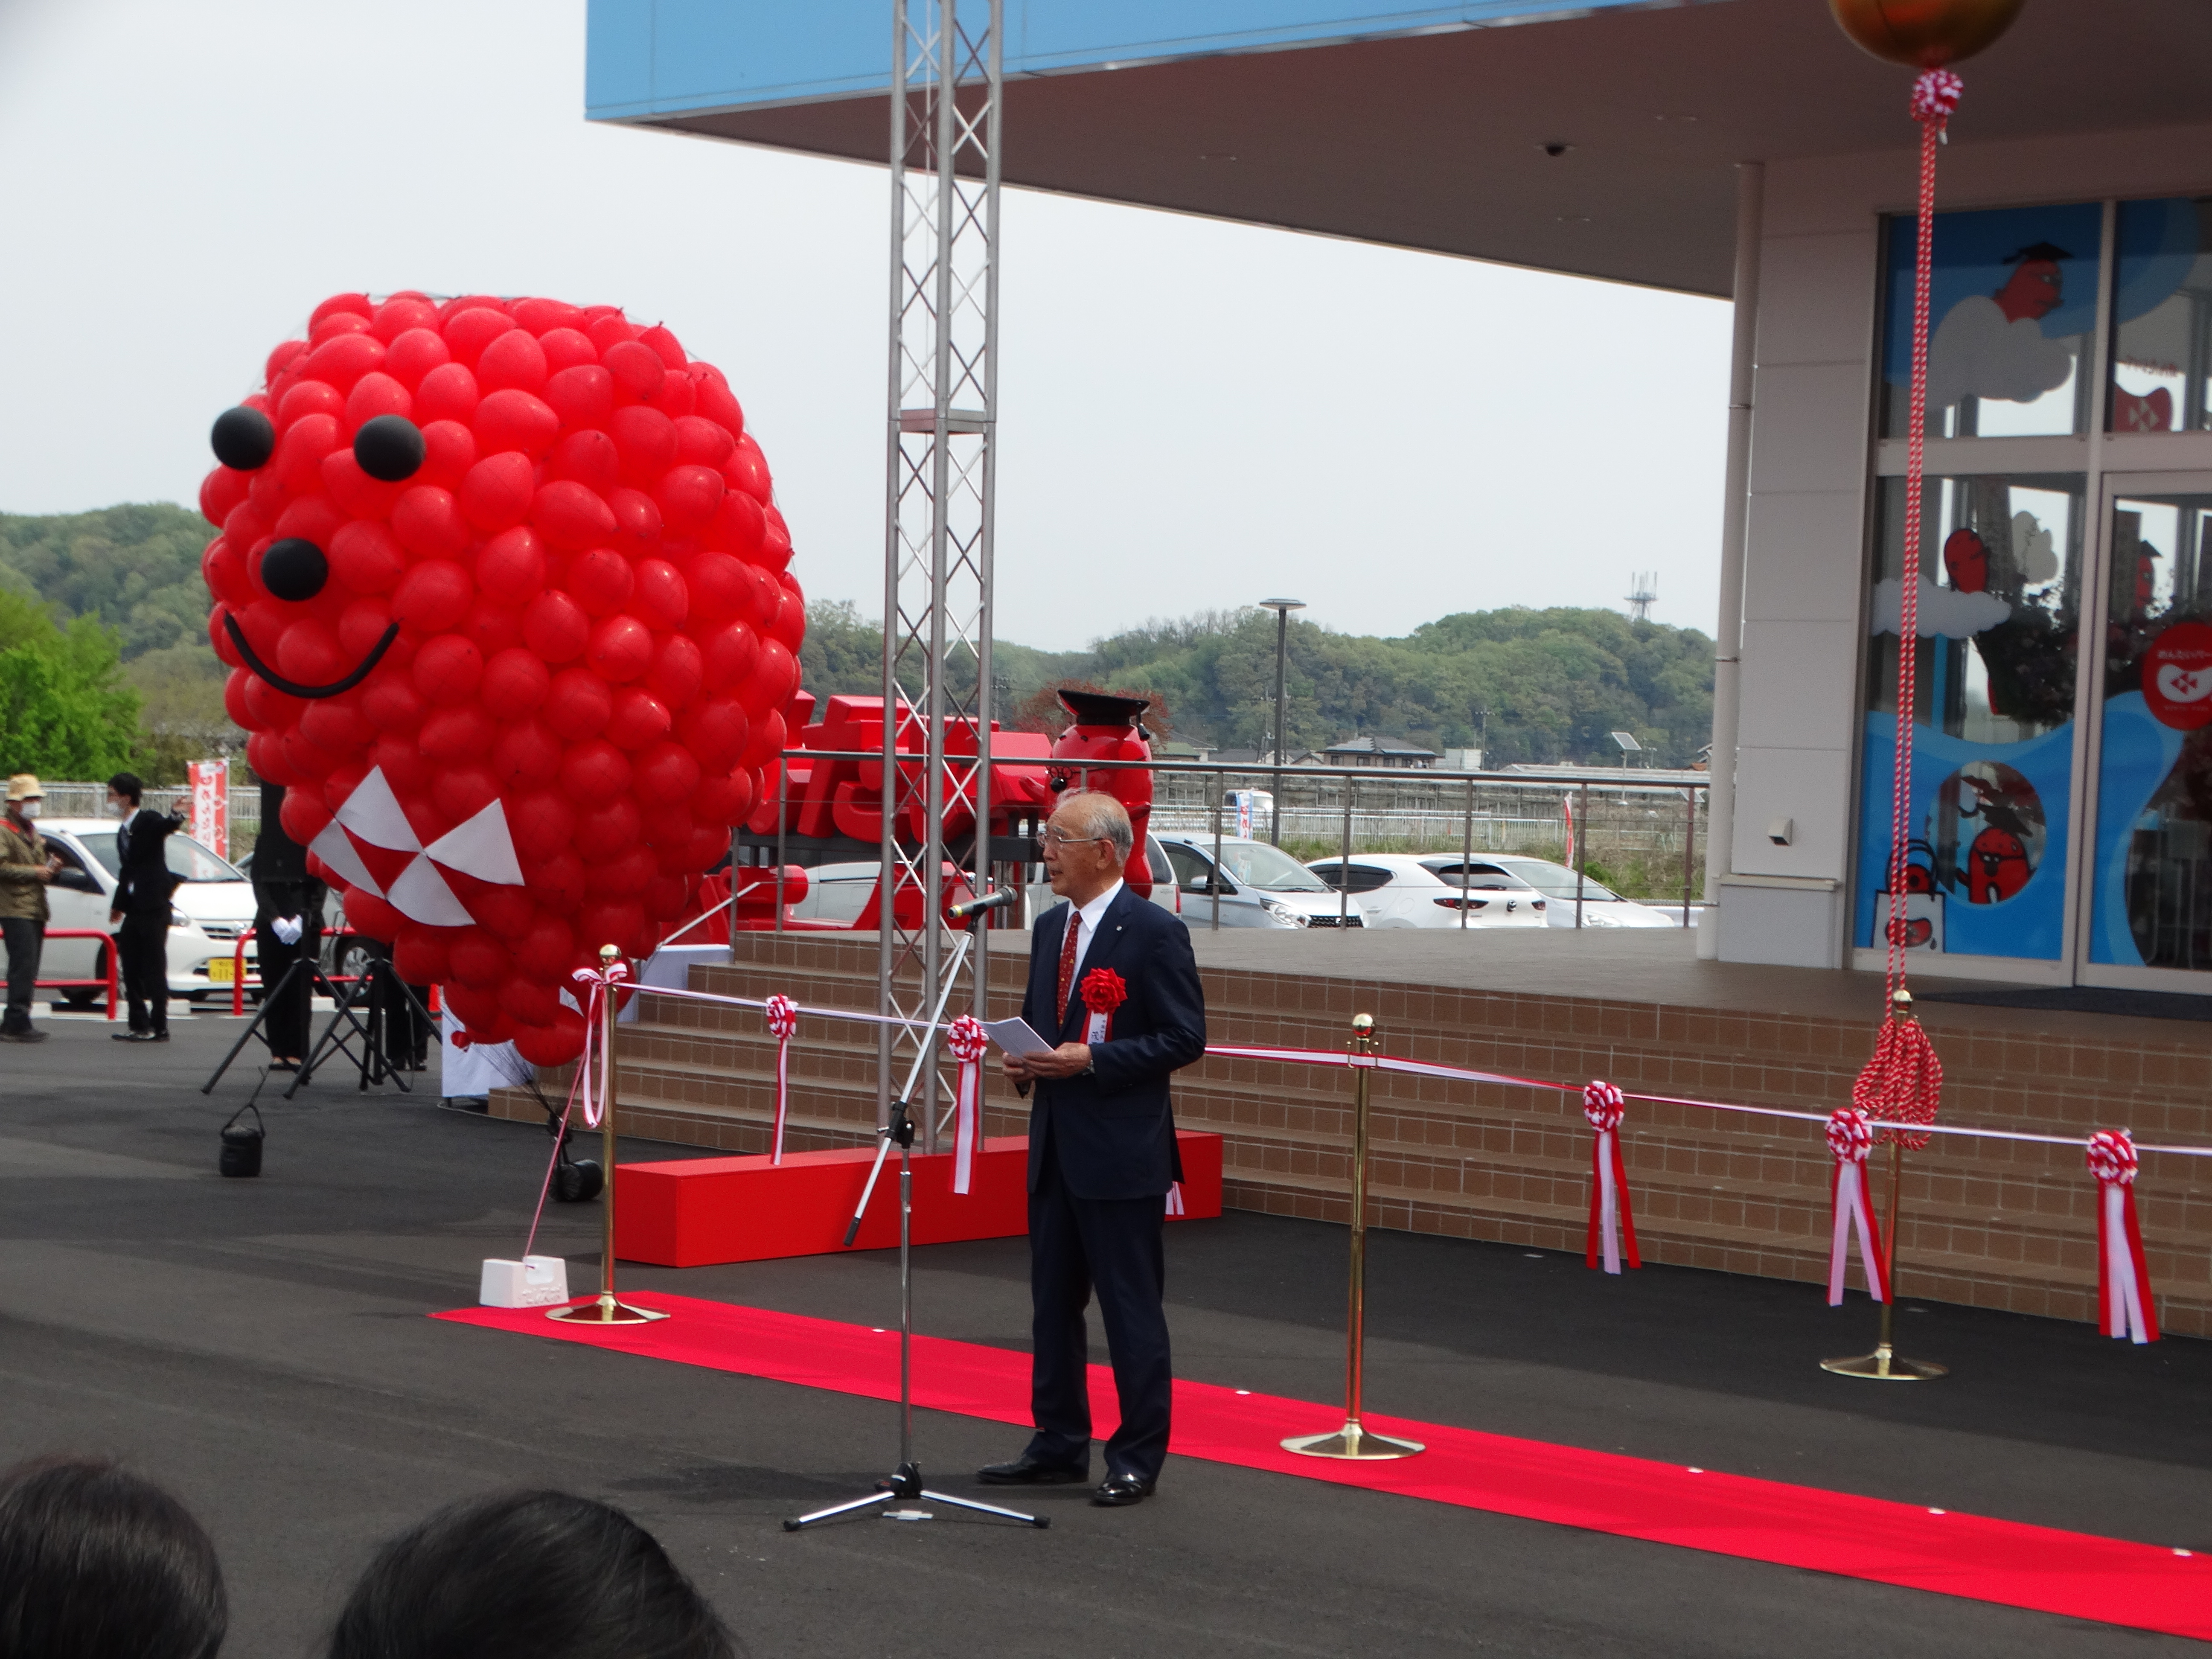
(2074, 1575)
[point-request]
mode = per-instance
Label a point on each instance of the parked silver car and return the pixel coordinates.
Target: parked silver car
(1258, 885)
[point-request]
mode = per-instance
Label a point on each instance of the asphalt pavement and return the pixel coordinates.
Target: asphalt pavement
(261, 1347)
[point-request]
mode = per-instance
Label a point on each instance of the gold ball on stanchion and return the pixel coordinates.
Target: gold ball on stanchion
(608, 953)
(1924, 33)
(1363, 1023)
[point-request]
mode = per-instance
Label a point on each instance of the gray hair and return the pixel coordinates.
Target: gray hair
(1098, 814)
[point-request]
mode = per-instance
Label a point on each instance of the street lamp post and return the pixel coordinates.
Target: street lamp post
(1282, 608)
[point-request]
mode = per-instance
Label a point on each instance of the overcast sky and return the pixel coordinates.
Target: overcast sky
(1212, 413)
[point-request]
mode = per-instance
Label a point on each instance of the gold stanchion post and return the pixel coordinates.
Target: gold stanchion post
(606, 1309)
(1352, 1442)
(1884, 1364)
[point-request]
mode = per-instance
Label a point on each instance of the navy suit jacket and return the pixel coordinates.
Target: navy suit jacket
(1114, 1131)
(144, 883)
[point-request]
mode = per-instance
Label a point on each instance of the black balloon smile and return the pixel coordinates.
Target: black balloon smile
(292, 688)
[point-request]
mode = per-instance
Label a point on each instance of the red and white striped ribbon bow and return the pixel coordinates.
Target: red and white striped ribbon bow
(783, 1023)
(968, 1040)
(2122, 1280)
(1850, 1138)
(1611, 1220)
(599, 984)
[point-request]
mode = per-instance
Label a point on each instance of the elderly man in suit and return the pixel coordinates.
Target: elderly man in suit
(1113, 984)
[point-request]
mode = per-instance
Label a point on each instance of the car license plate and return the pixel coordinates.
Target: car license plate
(219, 970)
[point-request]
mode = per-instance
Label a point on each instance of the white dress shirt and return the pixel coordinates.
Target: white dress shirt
(1085, 922)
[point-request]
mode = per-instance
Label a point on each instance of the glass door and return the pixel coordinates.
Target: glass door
(2148, 904)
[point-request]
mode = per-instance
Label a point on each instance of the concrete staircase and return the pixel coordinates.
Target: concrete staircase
(2006, 1224)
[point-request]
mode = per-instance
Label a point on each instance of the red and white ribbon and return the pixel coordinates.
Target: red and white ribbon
(968, 1040)
(597, 984)
(1611, 1219)
(1103, 991)
(2122, 1280)
(1850, 1138)
(783, 1022)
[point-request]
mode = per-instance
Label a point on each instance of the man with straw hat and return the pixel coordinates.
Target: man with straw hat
(26, 867)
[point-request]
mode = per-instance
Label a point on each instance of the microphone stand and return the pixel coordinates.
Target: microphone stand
(905, 1483)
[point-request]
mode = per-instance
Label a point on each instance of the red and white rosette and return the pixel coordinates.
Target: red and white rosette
(1850, 1138)
(1611, 1222)
(968, 1040)
(1102, 993)
(2122, 1280)
(783, 1023)
(596, 984)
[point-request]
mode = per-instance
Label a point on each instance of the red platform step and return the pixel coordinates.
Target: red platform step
(702, 1212)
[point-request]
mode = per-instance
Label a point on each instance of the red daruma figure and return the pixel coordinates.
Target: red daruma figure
(504, 596)
(1106, 728)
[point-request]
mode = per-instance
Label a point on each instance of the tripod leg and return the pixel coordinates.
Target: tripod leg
(246, 1036)
(1037, 1521)
(330, 1039)
(873, 1500)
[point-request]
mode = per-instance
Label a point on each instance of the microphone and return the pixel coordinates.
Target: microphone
(1000, 900)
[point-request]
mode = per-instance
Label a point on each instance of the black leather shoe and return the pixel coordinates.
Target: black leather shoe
(1027, 1471)
(130, 1037)
(1119, 1490)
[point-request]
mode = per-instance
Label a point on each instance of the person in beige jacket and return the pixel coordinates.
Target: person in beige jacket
(26, 868)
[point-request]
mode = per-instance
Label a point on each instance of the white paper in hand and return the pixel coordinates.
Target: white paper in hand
(1016, 1038)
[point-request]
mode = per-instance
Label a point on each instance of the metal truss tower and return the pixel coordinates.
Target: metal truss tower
(947, 82)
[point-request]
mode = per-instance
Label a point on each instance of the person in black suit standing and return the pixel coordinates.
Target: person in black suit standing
(1113, 981)
(140, 911)
(285, 898)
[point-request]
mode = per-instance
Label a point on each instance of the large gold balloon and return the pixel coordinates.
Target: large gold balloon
(1925, 34)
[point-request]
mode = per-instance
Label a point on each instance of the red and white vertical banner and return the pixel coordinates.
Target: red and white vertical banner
(209, 781)
(2122, 1280)
(1567, 817)
(966, 1039)
(783, 1022)
(1850, 1138)
(1612, 1222)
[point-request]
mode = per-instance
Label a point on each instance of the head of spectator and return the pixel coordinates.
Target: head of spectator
(125, 791)
(529, 1575)
(96, 1563)
(25, 799)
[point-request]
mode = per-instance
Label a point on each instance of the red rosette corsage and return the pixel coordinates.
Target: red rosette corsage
(1103, 991)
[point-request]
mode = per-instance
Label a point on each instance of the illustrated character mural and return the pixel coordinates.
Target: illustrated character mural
(1993, 345)
(504, 596)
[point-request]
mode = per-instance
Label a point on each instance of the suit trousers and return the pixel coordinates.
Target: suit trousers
(1113, 1245)
(26, 939)
(142, 946)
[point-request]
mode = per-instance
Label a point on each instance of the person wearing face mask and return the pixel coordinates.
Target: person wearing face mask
(144, 888)
(26, 867)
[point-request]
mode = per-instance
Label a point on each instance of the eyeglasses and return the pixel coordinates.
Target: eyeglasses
(1054, 838)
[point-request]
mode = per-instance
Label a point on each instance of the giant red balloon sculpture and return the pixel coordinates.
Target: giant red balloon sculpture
(504, 597)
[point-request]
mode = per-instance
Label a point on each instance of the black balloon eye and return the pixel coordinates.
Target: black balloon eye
(389, 447)
(243, 438)
(295, 569)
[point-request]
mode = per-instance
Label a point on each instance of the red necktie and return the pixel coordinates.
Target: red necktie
(1067, 959)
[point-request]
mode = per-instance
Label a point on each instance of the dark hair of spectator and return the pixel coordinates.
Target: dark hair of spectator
(129, 784)
(97, 1564)
(530, 1575)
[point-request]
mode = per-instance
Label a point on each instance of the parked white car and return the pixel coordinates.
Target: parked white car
(1432, 889)
(1601, 906)
(212, 906)
(1259, 885)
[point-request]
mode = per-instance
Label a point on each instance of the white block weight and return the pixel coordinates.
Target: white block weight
(535, 1281)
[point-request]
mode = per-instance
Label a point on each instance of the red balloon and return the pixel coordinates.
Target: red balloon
(448, 392)
(667, 772)
(337, 725)
(532, 1006)
(556, 627)
(456, 735)
(773, 680)
(413, 354)
(376, 394)
(582, 396)
(511, 566)
(637, 369)
(539, 315)
(571, 517)
(714, 402)
(509, 419)
(729, 656)
(545, 952)
(525, 757)
(578, 704)
(600, 581)
(689, 496)
(304, 817)
(447, 670)
(468, 332)
(637, 718)
(588, 458)
(740, 527)
(663, 344)
(789, 628)
(513, 361)
(557, 1045)
(299, 460)
(621, 648)
(619, 875)
(595, 772)
(403, 314)
(478, 960)
(557, 879)
(637, 521)
(462, 792)
(429, 521)
(541, 824)
(568, 348)
(353, 491)
(496, 493)
(342, 359)
(392, 704)
(434, 596)
(618, 922)
(647, 439)
(222, 491)
(419, 954)
(603, 830)
(723, 798)
(515, 682)
(449, 451)
(340, 305)
(714, 730)
(226, 573)
(703, 442)
(677, 670)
